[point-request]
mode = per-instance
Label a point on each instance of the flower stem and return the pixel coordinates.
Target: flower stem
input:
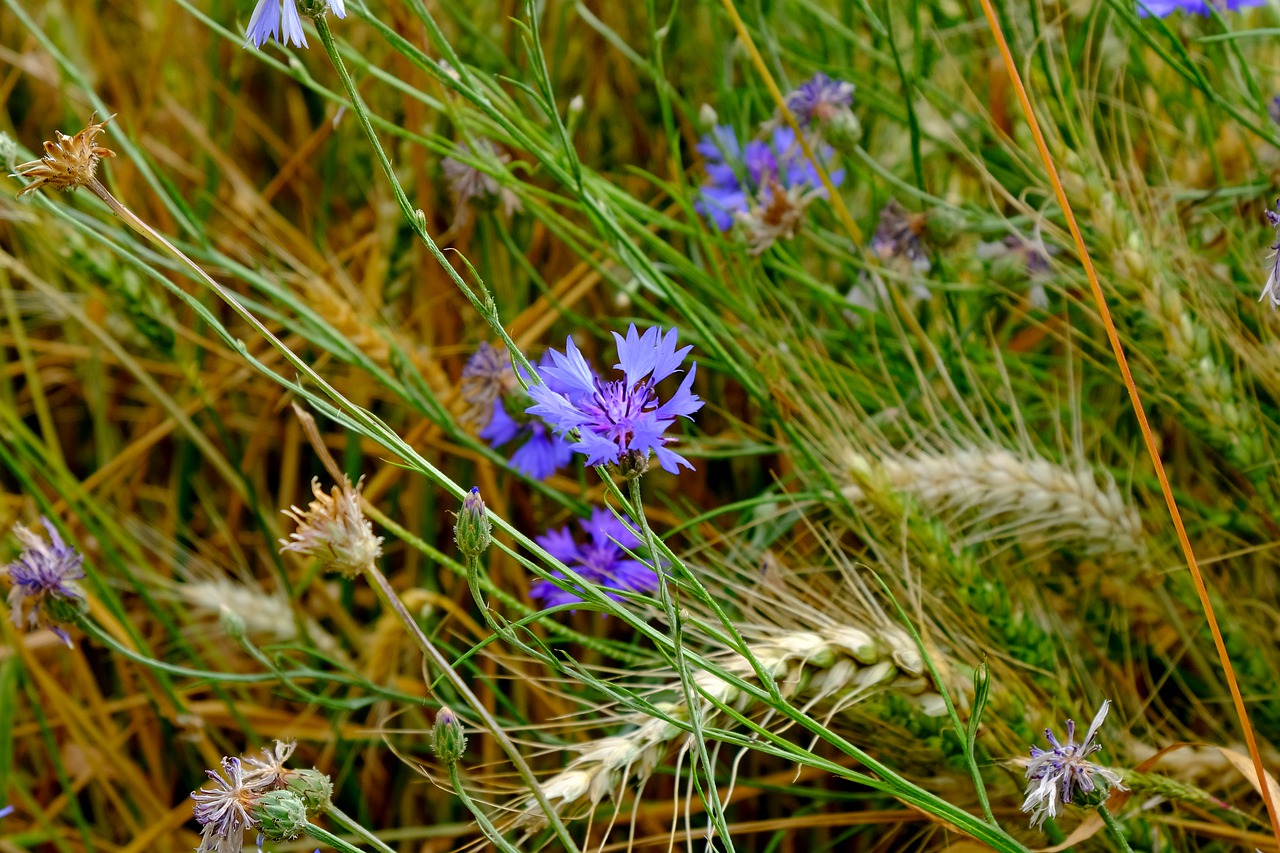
(482, 819)
(329, 838)
(486, 307)
(1114, 828)
(351, 825)
(391, 600)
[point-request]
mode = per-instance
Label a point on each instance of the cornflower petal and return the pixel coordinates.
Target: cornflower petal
(338, 8)
(570, 370)
(264, 23)
(291, 26)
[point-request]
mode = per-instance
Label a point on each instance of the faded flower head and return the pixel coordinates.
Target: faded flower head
(68, 161)
(269, 770)
(766, 185)
(1272, 288)
(621, 418)
(1064, 773)
(602, 559)
(334, 531)
(222, 808)
(472, 188)
(1165, 8)
(46, 578)
(819, 99)
(282, 21)
(499, 403)
(898, 236)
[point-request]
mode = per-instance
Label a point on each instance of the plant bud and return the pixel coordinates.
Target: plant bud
(313, 788)
(472, 530)
(448, 741)
(280, 815)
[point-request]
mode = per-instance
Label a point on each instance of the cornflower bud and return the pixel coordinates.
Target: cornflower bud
(314, 788)
(280, 815)
(472, 530)
(448, 741)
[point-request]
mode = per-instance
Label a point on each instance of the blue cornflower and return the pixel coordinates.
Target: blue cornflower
(1165, 8)
(602, 559)
(819, 99)
(47, 574)
(1064, 773)
(280, 20)
(619, 420)
(489, 385)
(766, 186)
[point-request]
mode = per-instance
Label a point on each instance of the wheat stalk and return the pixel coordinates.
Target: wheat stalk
(1035, 498)
(835, 666)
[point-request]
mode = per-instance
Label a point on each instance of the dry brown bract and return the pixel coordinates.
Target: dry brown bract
(68, 161)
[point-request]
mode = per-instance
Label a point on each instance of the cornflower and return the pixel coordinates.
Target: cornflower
(602, 560)
(898, 236)
(1064, 773)
(222, 808)
(281, 20)
(46, 575)
(819, 99)
(620, 421)
(490, 386)
(767, 186)
(1165, 8)
(1272, 288)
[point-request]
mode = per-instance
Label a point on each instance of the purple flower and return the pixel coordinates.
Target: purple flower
(602, 560)
(1064, 773)
(619, 418)
(280, 20)
(750, 183)
(1165, 8)
(819, 99)
(222, 808)
(47, 575)
(489, 385)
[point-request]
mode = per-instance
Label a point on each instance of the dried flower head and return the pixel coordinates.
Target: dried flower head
(1272, 288)
(472, 188)
(1064, 773)
(68, 161)
(269, 770)
(45, 576)
(222, 809)
(775, 214)
(898, 236)
(486, 378)
(334, 531)
(281, 20)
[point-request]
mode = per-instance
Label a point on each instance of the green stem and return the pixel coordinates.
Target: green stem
(392, 601)
(329, 838)
(351, 825)
(482, 819)
(692, 698)
(417, 220)
(1114, 828)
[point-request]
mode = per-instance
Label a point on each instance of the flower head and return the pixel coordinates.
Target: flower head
(819, 99)
(498, 402)
(281, 20)
(620, 419)
(601, 559)
(767, 185)
(1272, 288)
(898, 236)
(470, 187)
(68, 161)
(1064, 773)
(333, 530)
(222, 808)
(1165, 8)
(45, 576)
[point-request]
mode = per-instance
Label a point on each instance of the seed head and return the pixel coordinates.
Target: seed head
(68, 161)
(333, 530)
